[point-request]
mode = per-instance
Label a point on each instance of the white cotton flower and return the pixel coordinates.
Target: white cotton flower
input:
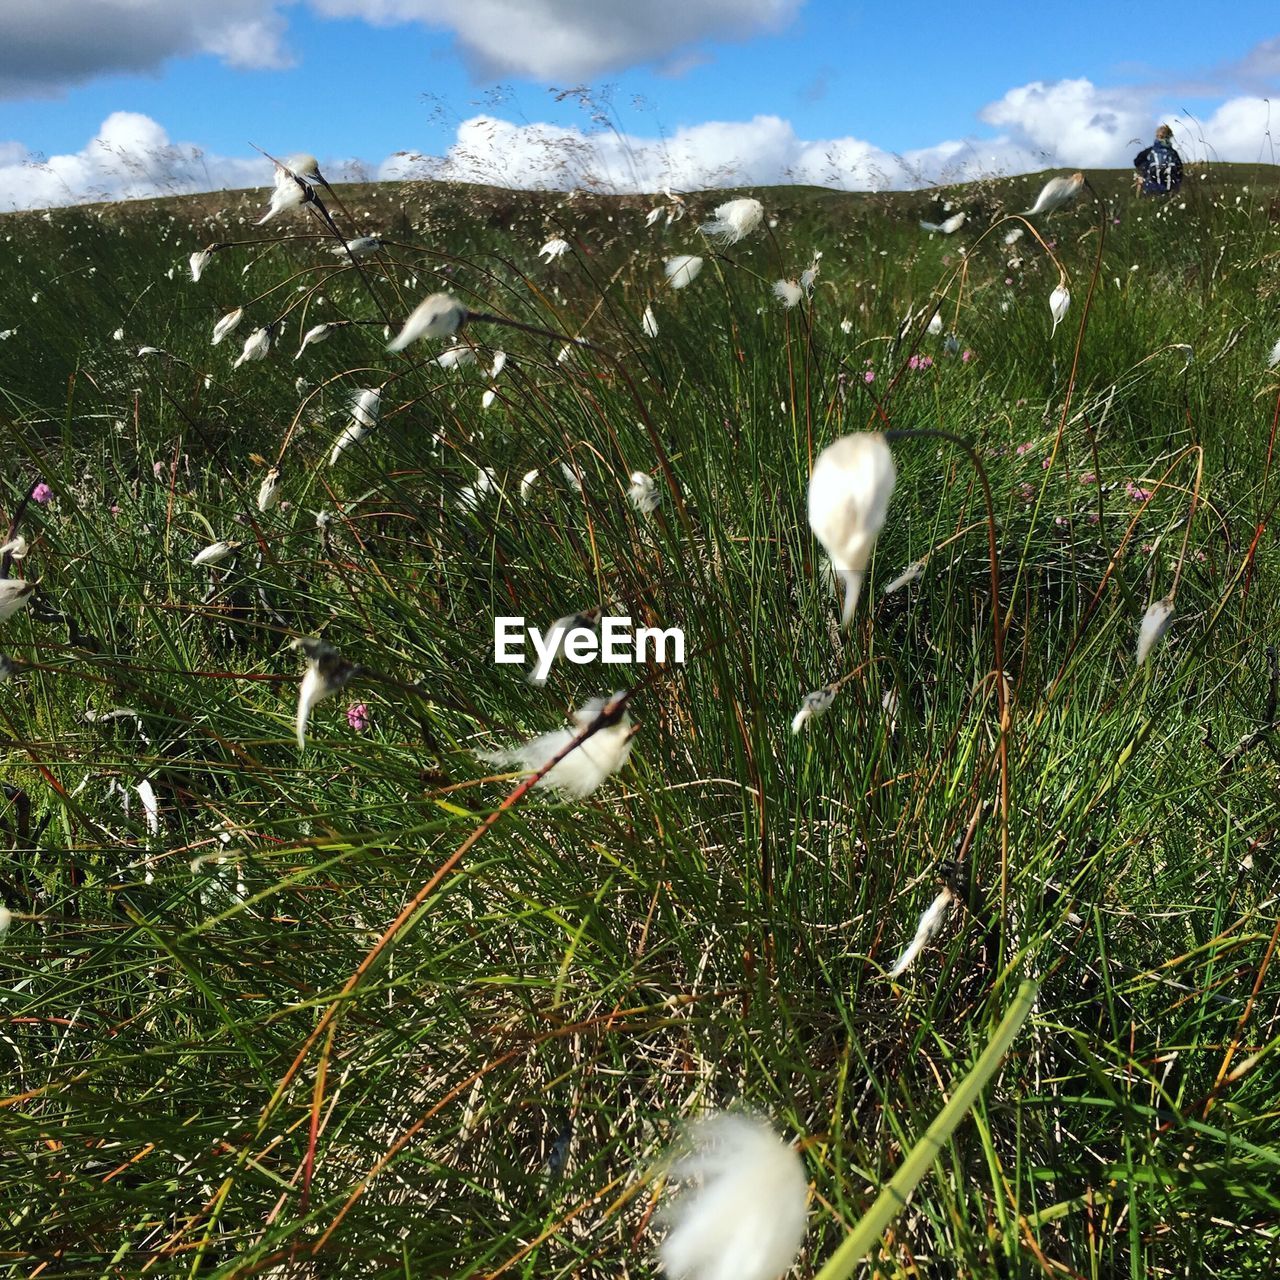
(457, 356)
(351, 434)
(849, 494)
(682, 270)
(788, 293)
(150, 806)
(746, 1218)
(14, 594)
(364, 417)
(1155, 622)
(327, 672)
(365, 406)
(935, 323)
(643, 493)
(488, 398)
(809, 276)
(305, 166)
(1055, 193)
(269, 490)
(649, 323)
(317, 333)
(527, 481)
(288, 192)
(1274, 358)
(1012, 237)
(1059, 301)
(215, 552)
(360, 247)
(813, 705)
(439, 316)
(256, 347)
(906, 577)
(734, 220)
(588, 764)
(16, 547)
(198, 261)
(846, 326)
(572, 479)
(226, 325)
(486, 482)
(499, 363)
(930, 924)
(553, 249)
(953, 223)
(117, 335)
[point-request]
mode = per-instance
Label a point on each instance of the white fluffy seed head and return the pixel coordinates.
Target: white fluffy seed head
(587, 765)
(440, 315)
(269, 490)
(553, 249)
(813, 705)
(226, 325)
(734, 220)
(198, 261)
(256, 347)
(1055, 193)
(1059, 301)
(746, 1219)
(849, 492)
(14, 594)
(682, 270)
(215, 552)
(788, 293)
(1155, 622)
(643, 493)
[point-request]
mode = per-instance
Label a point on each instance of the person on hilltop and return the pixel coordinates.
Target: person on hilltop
(1159, 166)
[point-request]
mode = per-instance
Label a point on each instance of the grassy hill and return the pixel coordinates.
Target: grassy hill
(353, 1009)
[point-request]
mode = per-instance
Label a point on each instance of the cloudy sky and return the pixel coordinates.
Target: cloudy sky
(119, 98)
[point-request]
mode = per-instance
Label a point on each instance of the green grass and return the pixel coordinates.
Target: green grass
(715, 924)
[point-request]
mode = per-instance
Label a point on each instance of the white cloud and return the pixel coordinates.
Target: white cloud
(129, 157)
(572, 39)
(1073, 122)
(761, 151)
(1240, 129)
(47, 44)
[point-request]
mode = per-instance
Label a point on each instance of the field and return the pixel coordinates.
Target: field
(374, 1007)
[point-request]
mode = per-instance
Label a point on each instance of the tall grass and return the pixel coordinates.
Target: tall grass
(196, 1083)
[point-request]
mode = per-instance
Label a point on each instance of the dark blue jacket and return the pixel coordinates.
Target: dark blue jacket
(1160, 168)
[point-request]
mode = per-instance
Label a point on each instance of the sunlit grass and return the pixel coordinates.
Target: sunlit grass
(716, 923)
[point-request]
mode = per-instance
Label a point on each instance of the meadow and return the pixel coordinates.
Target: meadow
(372, 1006)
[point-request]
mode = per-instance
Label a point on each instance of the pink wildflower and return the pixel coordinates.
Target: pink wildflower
(1088, 478)
(965, 356)
(1027, 492)
(41, 493)
(869, 376)
(358, 717)
(1025, 448)
(1136, 493)
(1045, 464)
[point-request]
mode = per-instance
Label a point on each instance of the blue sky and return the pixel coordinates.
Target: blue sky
(893, 78)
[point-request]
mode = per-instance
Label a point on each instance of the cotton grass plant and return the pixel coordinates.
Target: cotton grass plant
(375, 1006)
